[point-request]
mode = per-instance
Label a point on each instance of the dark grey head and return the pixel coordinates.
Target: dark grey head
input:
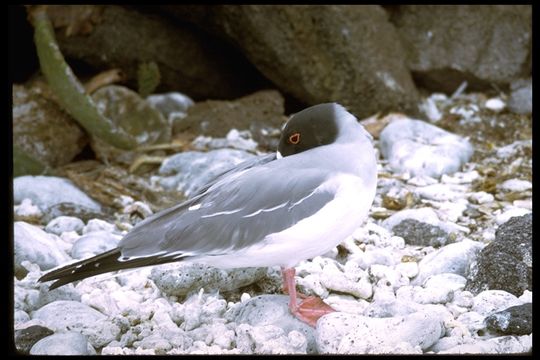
(315, 126)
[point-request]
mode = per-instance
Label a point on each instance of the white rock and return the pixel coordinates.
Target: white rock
(450, 281)
(27, 209)
(408, 269)
(47, 191)
(516, 185)
(37, 246)
(525, 204)
(340, 333)
(429, 107)
(179, 279)
(512, 212)
(272, 310)
(98, 225)
(499, 345)
(417, 147)
(63, 224)
(64, 315)
(481, 197)
(460, 177)
(490, 301)
(20, 317)
(419, 295)
(472, 321)
(347, 303)
(453, 258)
(68, 343)
(190, 170)
(463, 298)
(440, 192)
(495, 104)
(94, 243)
(526, 297)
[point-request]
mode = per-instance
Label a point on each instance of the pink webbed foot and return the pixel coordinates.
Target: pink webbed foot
(311, 308)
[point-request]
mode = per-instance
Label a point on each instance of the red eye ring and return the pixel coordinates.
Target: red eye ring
(294, 138)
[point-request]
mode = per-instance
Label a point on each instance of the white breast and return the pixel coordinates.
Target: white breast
(314, 235)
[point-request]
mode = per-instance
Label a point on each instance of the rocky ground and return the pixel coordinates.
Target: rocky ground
(443, 263)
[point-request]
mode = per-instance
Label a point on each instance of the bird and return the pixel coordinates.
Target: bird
(277, 210)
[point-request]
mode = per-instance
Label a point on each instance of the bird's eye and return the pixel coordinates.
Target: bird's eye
(294, 138)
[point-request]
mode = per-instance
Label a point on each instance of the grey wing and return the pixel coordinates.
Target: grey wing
(235, 212)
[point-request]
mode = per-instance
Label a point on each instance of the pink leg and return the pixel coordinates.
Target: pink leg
(309, 310)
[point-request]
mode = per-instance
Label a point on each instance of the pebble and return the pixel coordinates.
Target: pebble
(420, 148)
(234, 139)
(27, 210)
(94, 243)
(341, 333)
(495, 104)
(191, 170)
(47, 191)
(170, 103)
(454, 258)
(37, 246)
(515, 320)
(520, 100)
(516, 185)
(481, 197)
(68, 343)
(63, 224)
(179, 279)
(98, 225)
(490, 301)
(511, 213)
(272, 310)
(26, 337)
(505, 263)
(63, 315)
(499, 345)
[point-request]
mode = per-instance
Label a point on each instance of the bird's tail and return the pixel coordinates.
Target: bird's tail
(99, 264)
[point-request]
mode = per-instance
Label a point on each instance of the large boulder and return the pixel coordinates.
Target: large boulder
(189, 61)
(480, 44)
(349, 54)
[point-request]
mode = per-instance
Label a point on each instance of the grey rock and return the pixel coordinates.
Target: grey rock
(69, 343)
(38, 122)
(94, 243)
(342, 333)
(454, 258)
(27, 337)
(506, 263)
(179, 279)
(318, 53)
(126, 110)
(521, 99)
(81, 212)
(442, 44)
(47, 191)
(64, 223)
(215, 118)
(189, 61)
(189, 171)
(419, 233)
(516, 320)
(420, 148)
(274, 310)
(35, 245)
